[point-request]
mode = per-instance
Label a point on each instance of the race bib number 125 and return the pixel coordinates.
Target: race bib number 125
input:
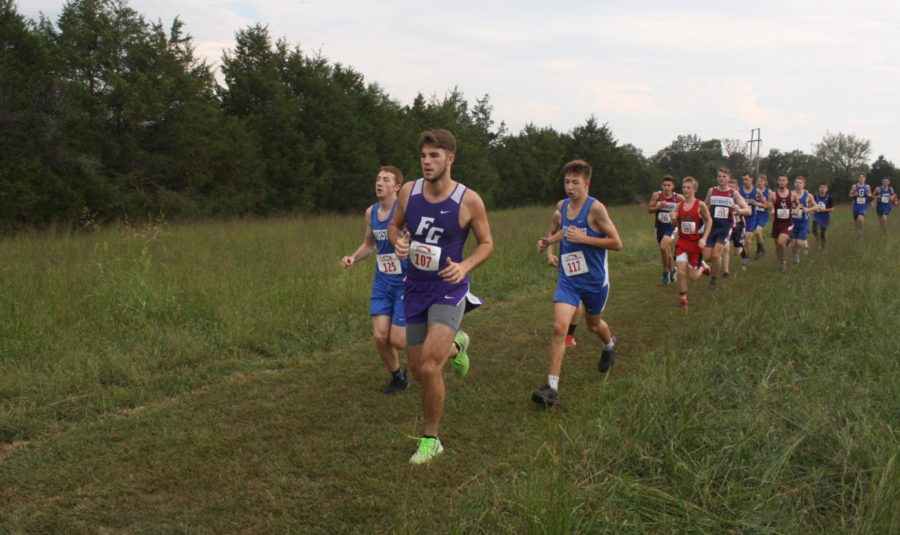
(388, 264)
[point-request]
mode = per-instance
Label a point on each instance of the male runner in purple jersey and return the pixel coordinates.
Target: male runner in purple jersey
(439, 212)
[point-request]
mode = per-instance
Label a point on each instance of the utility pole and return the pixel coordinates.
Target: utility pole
(755, 143)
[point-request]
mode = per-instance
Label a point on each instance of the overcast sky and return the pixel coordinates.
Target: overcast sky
(650, 69)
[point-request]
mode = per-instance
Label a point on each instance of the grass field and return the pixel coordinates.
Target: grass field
(220, 378)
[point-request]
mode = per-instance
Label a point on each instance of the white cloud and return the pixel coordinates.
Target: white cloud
(653, 69)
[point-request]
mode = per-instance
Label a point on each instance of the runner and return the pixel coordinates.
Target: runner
(860, 193)
(721, 200)
(752, 197)
(586, 235)
(386, 301)
(694, 225)
(662, 203)
(439, 213)
(822, 217)
(737, 235)
(885, 197)
(800, 214)
(553, 261)
(762, 214)
(782, 201)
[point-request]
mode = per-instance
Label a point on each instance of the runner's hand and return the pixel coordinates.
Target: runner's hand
(402, 246)
(574, 235)
(347, 261)
(542, 244)
(553, 260)
(454, 273)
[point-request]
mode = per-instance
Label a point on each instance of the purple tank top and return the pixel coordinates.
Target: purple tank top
(435, 234)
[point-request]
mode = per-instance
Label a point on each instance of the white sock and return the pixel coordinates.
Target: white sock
(553, 381)
(610, 345)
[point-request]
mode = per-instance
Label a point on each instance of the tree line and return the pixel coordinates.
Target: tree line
(104, 116)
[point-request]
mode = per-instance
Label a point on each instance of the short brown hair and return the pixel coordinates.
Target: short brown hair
(440, 138)
(764, 178)
(668, 178)
(725, 170)
(398, 174)
(690, 180)
(579, 168)
(801, 177)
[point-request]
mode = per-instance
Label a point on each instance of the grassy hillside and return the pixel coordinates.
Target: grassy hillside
(219, 378)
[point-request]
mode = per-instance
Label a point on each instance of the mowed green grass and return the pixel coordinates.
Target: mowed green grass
(219, 378)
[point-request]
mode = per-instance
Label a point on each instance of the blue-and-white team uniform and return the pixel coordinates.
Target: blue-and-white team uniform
(883, 202)
(583, 269)
(387, 289)
(749, 220)
(822, 218)
(860, 201)
(801, 218)
(762, 214)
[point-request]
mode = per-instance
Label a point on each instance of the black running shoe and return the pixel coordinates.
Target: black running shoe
(607, 358)
(725, 275)
(396, 385)
(548, 396)
(713, 285)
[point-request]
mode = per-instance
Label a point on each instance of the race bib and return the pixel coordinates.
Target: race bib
(664, 217)
(388, 264)
(574, 264)
(885, 199)
(782, 213)
(822, 207)
(424, 257)
(688, 227)
(722, 212)
(860, 200)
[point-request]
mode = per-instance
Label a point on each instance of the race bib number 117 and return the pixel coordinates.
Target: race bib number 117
(574, 264)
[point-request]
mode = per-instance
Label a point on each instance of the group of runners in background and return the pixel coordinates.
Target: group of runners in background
(732, 215)
(421, 288)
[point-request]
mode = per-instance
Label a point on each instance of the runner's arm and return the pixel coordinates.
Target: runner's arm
(652, 205)
(811, 206)
(473, 207)
(744, 207)
(707, 222)
(555, 223)
(599, 220)
(365, 248)
(397, 233)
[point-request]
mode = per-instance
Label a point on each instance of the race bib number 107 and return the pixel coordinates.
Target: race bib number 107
(424, 257)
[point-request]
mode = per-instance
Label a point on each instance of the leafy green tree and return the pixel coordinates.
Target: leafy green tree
(529, 165)
(617, 174)
(689, 155)
(793, 163)
(882, 168)
(843, 156)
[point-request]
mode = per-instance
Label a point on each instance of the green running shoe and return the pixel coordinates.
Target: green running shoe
(460, 362)
(428, 449)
